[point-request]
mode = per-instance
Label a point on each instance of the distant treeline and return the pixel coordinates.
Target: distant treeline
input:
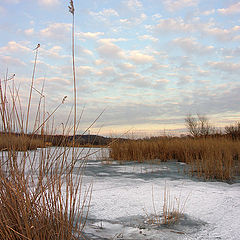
(32, 141)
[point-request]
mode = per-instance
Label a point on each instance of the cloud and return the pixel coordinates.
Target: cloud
(173, 25)
(111, 40)
(191, 46)
(53, 52)
(105, 14)
(107, 72)
(13, 47)
(156, 16)
(138, 19)
(8, 61)
(178, 25)
(156, 66)
(209, 12)
(183, 80)
(89, 35)
(232, 9)
(161, 83)
(140, 58)
(229, 67)
(218, 33)
(109, 50)
(126, 66)
(56, 31)
(148, 37)
(174, 5)
(29, 31)
(48, 3)
(133, 5)
(85, 70)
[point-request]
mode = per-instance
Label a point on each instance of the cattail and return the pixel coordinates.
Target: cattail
(71, 7)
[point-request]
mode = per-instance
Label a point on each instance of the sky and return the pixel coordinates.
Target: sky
(146, 63)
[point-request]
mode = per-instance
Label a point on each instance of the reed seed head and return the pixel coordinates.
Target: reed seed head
(71, 7)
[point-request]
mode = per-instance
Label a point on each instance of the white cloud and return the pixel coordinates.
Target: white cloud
(138, 19)
(133, 4)
(111, 40)
(178, 25)
(162, 81)
(209, 12)
(107, 72)
(126, 66)
(53, 52)
(218, 33)
(191, 46)
(85, 70)
(109, 50)
(56, 31)
(229, 67)
(174, 5)
(140, 58)
(99, 62)
(14, 47)
(89, 35)
(29, 31)
(202, 72)
(156, 16)
(124, 20)
(156, 66)
(148, 37)
(48, 2)
(173, 25)
(232, 9)
(8, 61)
(105, 13)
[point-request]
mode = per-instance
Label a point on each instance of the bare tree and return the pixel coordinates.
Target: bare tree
(198, 126)
(233, 131)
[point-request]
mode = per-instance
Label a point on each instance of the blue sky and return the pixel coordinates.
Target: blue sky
(149, 63)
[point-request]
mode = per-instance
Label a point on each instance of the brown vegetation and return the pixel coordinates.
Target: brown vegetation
(211, 158)
(41, 192)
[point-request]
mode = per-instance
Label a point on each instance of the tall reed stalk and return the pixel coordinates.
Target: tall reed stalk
(42, 195)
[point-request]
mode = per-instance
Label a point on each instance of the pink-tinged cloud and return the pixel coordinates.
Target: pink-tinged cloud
(174, 5)
(232, 9)
(140, 58)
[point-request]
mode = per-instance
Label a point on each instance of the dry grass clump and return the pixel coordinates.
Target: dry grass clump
(172, 209)
(210, 158)
(41, 191)
(40, 197)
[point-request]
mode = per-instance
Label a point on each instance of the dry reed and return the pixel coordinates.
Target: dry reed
(209, 158)
(172, 209)
(41, 191)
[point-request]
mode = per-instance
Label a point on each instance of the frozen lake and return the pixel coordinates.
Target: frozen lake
(123, 196)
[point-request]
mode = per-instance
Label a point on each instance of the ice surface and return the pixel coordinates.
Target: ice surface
(122, 199)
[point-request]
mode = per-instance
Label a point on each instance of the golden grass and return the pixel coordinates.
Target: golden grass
(172, 209)
(41, 191)
(19, 142)
(210, 158)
